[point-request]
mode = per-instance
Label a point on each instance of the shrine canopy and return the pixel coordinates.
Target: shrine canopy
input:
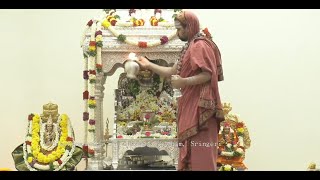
(109, 38)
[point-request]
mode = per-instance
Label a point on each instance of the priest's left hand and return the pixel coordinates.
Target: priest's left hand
(177, 81)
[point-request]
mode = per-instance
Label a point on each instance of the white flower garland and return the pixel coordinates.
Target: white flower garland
(85, 101)
(99, 49)
(90, 65)
(92, 88)
(136, 43)
(128, 41)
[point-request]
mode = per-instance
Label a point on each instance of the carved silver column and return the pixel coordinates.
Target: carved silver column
(115, 156)
(96, 162)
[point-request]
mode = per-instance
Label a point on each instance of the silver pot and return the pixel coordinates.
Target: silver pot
(132, 68)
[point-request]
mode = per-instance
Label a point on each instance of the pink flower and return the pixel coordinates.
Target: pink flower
(164, 40)
(132, 11)
(91, 151)
(85, 148)
(148, 133)
(147, 116)
(92, 122)
(165, 133)
(85, 75)
(98, 33)
(113, 22)
(30, 117)
(157, 11)
(90, 23)
(85, 116)
(85, 94)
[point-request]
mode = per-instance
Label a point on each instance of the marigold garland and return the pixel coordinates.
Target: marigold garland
(56, 158)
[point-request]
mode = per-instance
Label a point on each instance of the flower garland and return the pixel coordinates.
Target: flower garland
(89, 24)
(34, 158)
(92, 66)
(142, 44)
(111, 20)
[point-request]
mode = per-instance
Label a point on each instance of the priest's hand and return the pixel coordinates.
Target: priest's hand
(143, 62)
(178, 82)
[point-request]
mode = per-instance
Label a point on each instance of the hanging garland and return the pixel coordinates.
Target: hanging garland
(92, 66)
(112, 20)
(142, 44)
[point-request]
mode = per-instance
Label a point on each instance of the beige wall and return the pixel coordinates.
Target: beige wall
(271, 66)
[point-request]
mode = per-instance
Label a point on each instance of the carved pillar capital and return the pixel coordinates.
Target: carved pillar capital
(100, 81)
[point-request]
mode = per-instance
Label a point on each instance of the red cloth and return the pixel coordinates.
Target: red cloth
(203, 150)
(201, 55)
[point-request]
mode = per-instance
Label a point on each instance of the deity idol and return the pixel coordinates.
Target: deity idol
(49, 143)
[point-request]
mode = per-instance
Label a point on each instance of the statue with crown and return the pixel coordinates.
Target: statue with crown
(233, 141)
(49, 143)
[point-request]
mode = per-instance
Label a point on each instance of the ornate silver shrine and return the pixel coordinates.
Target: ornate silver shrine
(114, 53)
